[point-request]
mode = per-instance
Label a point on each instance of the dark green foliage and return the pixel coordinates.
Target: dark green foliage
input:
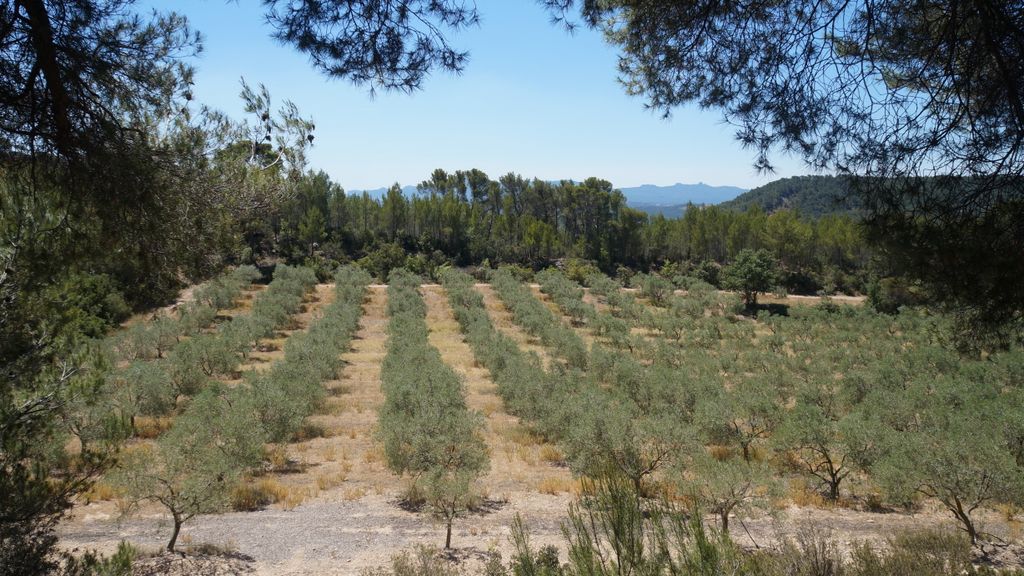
(91, 564)
(382, 260)
(527, 562)
(385, 46)
(466, 219)
(813, 196)
(424, 562)
(750, 274)
(888, 295)
(613, 531)
(89, 304)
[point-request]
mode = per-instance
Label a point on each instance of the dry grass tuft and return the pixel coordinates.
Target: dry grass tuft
(551, 454)
(100, 492)
(329, 453)
(522, 435)
(297, 496)
(800, 494)
(247, 497)
(210, 549)
(277, 456)
(526, 455)
(150, 427)
(554, 485)
(373, 455)
(339, 406)
(308, 431)
(720, 453)
(354, 493)
(328, 481)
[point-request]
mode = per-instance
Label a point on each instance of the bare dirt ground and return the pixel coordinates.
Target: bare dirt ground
(340, 511)
(346, 462)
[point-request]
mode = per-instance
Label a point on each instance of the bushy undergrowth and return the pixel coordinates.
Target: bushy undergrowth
(610, 531)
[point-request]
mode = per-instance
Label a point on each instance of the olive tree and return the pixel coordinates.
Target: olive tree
(827, 437)
(192, 468)
(723, 487)
(956, 455)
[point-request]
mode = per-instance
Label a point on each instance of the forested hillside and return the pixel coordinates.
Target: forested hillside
(812, 196)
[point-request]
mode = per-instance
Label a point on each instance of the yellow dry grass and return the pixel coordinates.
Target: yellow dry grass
(328, 481)
(555, 485)
(100, 492)
(551, 454)
(149, 427)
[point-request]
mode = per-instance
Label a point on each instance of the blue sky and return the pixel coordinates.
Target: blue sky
(533, 100)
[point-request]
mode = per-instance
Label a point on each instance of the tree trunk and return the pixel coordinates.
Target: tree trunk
(833, 488)
(448, 537)
(965, 518)
(41, 36)
(174, 535)
(725, 521)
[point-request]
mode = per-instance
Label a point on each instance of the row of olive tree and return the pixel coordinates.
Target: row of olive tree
(104, 395)
(617, 415)
(153, 339)
(427, 431)
(841, 395)
(538, 320)
(569, 297)
(155, 388)
(194, 467)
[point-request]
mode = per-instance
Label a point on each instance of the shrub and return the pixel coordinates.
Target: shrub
(750, 274)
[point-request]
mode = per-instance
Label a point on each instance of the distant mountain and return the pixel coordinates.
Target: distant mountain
(679, 194)
(813, 196)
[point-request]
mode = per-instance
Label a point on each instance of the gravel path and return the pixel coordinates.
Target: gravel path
(341, 537)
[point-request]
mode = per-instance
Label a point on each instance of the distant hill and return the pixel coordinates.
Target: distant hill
(670, 212)
(680, 194)
(671, 201)
(813, 196)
